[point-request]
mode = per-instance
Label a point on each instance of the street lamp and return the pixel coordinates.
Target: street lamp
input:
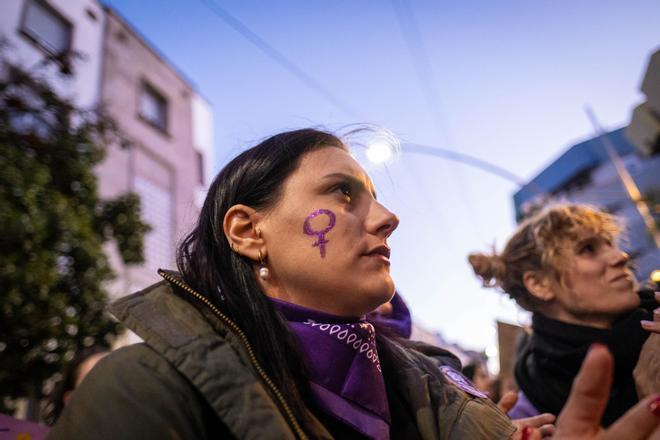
(380, 152)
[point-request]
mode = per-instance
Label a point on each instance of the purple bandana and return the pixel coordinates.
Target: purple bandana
(344, 368)
(399, 321)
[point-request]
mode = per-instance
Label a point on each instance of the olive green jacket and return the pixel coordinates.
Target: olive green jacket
(194, 378)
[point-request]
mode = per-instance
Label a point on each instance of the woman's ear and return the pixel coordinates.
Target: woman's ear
(538, 285)
(240, 227)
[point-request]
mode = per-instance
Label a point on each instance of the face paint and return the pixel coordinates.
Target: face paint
(307, 228)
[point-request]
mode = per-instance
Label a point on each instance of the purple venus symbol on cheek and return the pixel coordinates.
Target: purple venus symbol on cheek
(307, 228)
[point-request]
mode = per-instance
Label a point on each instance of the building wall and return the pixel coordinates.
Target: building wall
(86, 18)
(202, 121)
(162, 167)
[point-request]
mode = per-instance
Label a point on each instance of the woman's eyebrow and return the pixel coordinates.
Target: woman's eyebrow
(353, 181)
(586, 240)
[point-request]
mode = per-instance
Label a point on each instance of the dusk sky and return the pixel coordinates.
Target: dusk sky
(505, 81)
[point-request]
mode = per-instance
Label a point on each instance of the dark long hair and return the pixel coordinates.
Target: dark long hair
(206, 262)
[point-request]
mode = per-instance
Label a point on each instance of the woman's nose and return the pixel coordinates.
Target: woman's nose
(384, 221)
(619, 257)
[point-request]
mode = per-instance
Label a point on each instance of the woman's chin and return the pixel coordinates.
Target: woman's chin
(379, 298)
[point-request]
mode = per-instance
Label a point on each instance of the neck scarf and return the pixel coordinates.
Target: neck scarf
(344, 369)
(398, 321)
(554, 353)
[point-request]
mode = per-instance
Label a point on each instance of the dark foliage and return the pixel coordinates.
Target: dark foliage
(52, 266)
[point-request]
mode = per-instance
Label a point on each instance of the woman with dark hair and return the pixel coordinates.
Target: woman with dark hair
(563, 264)
(262, 333)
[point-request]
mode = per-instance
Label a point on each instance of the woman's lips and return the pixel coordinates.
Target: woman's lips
(380, 252)
(624, 277)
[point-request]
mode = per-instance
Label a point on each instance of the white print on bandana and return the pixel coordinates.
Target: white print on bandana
(343, 333)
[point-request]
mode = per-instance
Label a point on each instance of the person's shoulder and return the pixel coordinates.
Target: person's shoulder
(468, 413)
(135, 393)
(479, 418)
(132, 359)
(141, 368)
(135, 367)
(461, 410)
(437, 355)
(131, 353)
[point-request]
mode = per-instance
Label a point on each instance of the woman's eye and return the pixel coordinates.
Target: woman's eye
(344, 189)
(588, 248)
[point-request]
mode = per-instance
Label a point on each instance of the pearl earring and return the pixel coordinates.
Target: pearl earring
(264, 273)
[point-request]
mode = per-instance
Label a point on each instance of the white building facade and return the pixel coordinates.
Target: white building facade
(34, 30)
(169, 127)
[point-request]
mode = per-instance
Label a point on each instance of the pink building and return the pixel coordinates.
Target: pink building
(169, 126)
(166, 162)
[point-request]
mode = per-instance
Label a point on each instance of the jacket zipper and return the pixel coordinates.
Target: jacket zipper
(233, 326)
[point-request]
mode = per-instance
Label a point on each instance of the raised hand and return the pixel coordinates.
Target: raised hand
(647, 370)
(653, 326)
(580, 418)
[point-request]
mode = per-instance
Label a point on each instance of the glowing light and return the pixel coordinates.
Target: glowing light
(380, 151)
(492, 351)
(655, 276)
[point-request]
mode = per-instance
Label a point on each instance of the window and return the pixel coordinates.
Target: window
(200, 167)
(578, 182)
(153, 107)
(157, 205)
(44, 26)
